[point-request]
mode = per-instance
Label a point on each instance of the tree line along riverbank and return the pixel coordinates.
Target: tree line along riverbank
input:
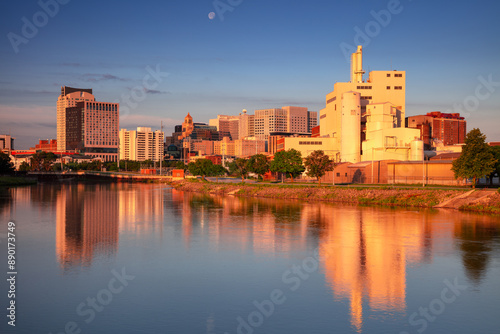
(487, 201)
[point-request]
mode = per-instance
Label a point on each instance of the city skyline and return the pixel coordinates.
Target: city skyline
(173, 58)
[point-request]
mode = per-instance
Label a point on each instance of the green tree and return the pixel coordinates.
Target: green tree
(57, 167)
(111, 166)
(24, 167)
(6, 165)
(202, 167)
(180, 165)
(218, 170)
(317, 164)
(476, 160)
(288, 162)
(130, 165)
(258, 164)
(495, 150)
(42, 161)
(239, 167)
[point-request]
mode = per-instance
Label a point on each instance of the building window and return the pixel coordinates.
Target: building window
(388, 75)
(398, 87)
(388, 87)
(398, 75)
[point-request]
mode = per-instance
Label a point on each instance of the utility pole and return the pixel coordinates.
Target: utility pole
(423, 170)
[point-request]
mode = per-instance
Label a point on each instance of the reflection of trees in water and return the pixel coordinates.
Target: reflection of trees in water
(205, 201)
(476, 241)
(5, 198)
(284, 212)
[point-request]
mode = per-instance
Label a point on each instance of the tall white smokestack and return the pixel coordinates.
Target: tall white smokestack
(357, 65)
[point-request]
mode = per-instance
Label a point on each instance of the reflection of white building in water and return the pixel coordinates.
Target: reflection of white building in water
(141, 209)
(86, 224)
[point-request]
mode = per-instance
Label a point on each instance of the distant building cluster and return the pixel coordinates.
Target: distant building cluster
(363, 120)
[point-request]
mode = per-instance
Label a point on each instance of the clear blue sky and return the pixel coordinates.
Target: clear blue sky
(255, 54)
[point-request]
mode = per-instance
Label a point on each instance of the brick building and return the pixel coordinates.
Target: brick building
(449, 129)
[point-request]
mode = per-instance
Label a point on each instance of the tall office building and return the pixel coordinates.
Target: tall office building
(92, 128)
(287, 119)
(141, 144)
(228, 126)
(246, 125)
(6, 143)
(68, 98)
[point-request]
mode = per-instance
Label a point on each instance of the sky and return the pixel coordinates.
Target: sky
(163, 59)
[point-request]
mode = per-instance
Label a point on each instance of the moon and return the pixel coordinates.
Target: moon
(211, 15)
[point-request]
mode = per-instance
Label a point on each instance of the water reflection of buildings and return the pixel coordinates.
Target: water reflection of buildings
(263, 226)
(141, 209)
(86, 224)
(365, 256)
(365, 252)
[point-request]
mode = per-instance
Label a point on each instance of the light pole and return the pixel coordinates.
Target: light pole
(423, 170)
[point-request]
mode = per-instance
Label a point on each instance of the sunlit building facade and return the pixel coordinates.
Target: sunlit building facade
(141, 144)
(68, 98)
(92, 129)
(366, 118)
(228, 126)
(285, 119)
(439, 128)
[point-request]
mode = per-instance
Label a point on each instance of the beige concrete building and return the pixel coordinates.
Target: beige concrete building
(141, 144)
(68, 98)
(286, 119)
(246, 125)
(365, 119)
(203, 147)
(225, 147)
(308, 145)
(381, 86)
(384, 141)
(228, 126)
(248, 147)
(6, 143)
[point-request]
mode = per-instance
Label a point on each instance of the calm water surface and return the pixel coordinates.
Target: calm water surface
(137, 258)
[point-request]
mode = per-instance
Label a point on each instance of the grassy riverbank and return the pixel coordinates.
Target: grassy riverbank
(386, 195)
(16, 181)
(490, 204)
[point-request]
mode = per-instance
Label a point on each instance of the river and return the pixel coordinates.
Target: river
(145, 258)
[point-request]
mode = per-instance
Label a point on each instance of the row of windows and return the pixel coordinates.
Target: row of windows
(331, 100)
(310, 143)
(397, 75)
(364, 87)
(395, 87)
(366, 97)
(102, 106)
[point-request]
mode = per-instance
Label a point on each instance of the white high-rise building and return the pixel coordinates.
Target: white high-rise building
(287, 119)
(141, 144)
